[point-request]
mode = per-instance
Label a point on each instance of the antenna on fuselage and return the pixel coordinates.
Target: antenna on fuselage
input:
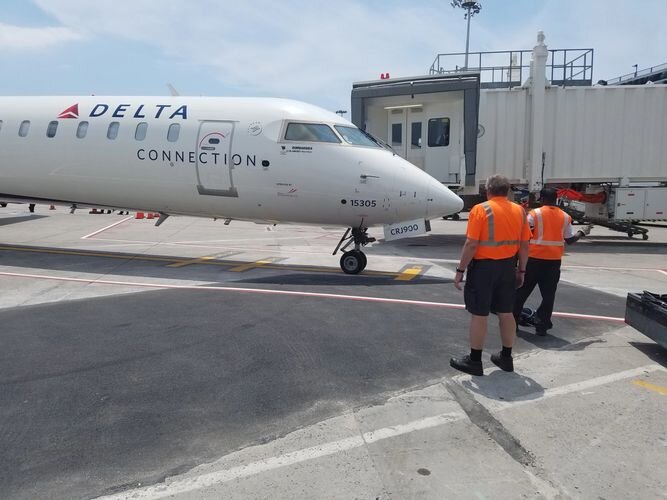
(172, 90)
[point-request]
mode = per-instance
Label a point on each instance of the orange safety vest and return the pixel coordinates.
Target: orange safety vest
(548, 241)
(504, 228)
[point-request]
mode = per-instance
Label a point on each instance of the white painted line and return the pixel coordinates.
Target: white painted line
(589, 316)
(194, 483)
(576, 387)
(663, 272)
(105, 228)
(263, 291)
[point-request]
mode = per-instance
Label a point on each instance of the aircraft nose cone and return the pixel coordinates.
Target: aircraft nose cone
(442, 201)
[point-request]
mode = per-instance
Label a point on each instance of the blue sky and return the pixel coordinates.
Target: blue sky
(311, 51)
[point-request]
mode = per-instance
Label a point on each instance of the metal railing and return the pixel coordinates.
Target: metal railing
(509, 68)
(638, 74)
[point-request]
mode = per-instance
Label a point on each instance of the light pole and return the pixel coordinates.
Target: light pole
(471, 7)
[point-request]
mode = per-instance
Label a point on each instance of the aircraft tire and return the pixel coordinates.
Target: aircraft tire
(353, 262)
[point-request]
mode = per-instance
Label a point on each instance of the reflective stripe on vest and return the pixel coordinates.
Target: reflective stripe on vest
(492, 231)
(540, 231)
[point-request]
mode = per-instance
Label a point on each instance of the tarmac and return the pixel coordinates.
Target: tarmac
(197, 360)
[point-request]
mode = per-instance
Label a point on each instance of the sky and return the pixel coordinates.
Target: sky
(312, 51)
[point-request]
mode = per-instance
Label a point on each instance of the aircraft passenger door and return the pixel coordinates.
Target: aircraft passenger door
(215, 159)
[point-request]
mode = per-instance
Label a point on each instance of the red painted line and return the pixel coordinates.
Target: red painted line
(293, 293)
(105, 228)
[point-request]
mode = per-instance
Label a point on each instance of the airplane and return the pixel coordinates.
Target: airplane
(253, 159)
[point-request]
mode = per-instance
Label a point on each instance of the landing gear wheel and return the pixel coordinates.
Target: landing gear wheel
(353, 262)
(644, 236)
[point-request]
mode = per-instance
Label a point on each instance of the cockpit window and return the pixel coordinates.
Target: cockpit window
(311, 132)
(355, 136)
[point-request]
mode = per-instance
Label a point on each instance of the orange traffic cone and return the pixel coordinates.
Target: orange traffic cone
(139, 215)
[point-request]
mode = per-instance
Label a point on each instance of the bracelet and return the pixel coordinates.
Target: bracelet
(460, 270)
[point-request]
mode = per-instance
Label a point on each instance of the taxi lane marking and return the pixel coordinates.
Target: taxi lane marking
(198, 260)
(172, 260)
(254, 265)
(106, 228)
(651, 387)
(410, 272)
(269, 291)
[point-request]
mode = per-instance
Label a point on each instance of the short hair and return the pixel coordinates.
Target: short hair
(548, 195)
(498, 185)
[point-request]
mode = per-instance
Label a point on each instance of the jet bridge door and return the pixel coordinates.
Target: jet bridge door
(215, 159)
(405, 133)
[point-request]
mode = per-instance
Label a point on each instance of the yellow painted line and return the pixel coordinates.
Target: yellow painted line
(173, 262)
(651, 387)
(409, 274)
(252, 265)
(188, 262)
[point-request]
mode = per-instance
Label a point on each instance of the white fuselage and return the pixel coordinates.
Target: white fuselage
(210, 157)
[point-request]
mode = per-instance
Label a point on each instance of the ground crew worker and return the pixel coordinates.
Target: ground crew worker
(551, 229)
(497, 232)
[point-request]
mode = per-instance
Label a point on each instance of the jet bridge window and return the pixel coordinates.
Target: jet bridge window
(438, 132)
(24, 128)
(140, 132)
(310, 132)
(52, 129)
(112, 132)
(396, 134)
(172, 133)
(416, 137)
(82, 130)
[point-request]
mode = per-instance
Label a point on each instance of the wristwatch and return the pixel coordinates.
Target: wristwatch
(460, 270)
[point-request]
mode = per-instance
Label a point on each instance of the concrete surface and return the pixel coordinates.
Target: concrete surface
(197, 360)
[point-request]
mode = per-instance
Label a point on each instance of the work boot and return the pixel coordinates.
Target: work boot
(467, 365)
(505, 363)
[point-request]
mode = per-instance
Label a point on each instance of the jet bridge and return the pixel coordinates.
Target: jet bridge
(430, 121)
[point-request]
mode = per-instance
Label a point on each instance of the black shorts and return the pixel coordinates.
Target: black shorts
(490, 286)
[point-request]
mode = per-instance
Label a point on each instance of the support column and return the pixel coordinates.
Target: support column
(537, 93)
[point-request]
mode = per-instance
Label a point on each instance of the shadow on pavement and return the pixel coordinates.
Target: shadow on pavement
(654, 351)
(503, 386)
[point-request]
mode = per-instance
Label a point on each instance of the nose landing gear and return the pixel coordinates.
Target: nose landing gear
(353, 261)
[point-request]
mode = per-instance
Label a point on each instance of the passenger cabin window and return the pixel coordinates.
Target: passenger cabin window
(112, 132)
(310, 132)
(140, 132)
(82, 130)
(355, 136)
(214, 140)
(172, 133)
(438, 132)
(24, 128)
(416, 137)
(396, 134)
(52, 129)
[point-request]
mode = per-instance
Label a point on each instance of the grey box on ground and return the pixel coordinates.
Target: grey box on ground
(647, 313)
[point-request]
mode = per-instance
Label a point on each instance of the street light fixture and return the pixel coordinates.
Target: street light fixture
(471, 7)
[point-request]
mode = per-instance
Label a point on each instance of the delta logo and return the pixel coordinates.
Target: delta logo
(71, 112)
(130, 111)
